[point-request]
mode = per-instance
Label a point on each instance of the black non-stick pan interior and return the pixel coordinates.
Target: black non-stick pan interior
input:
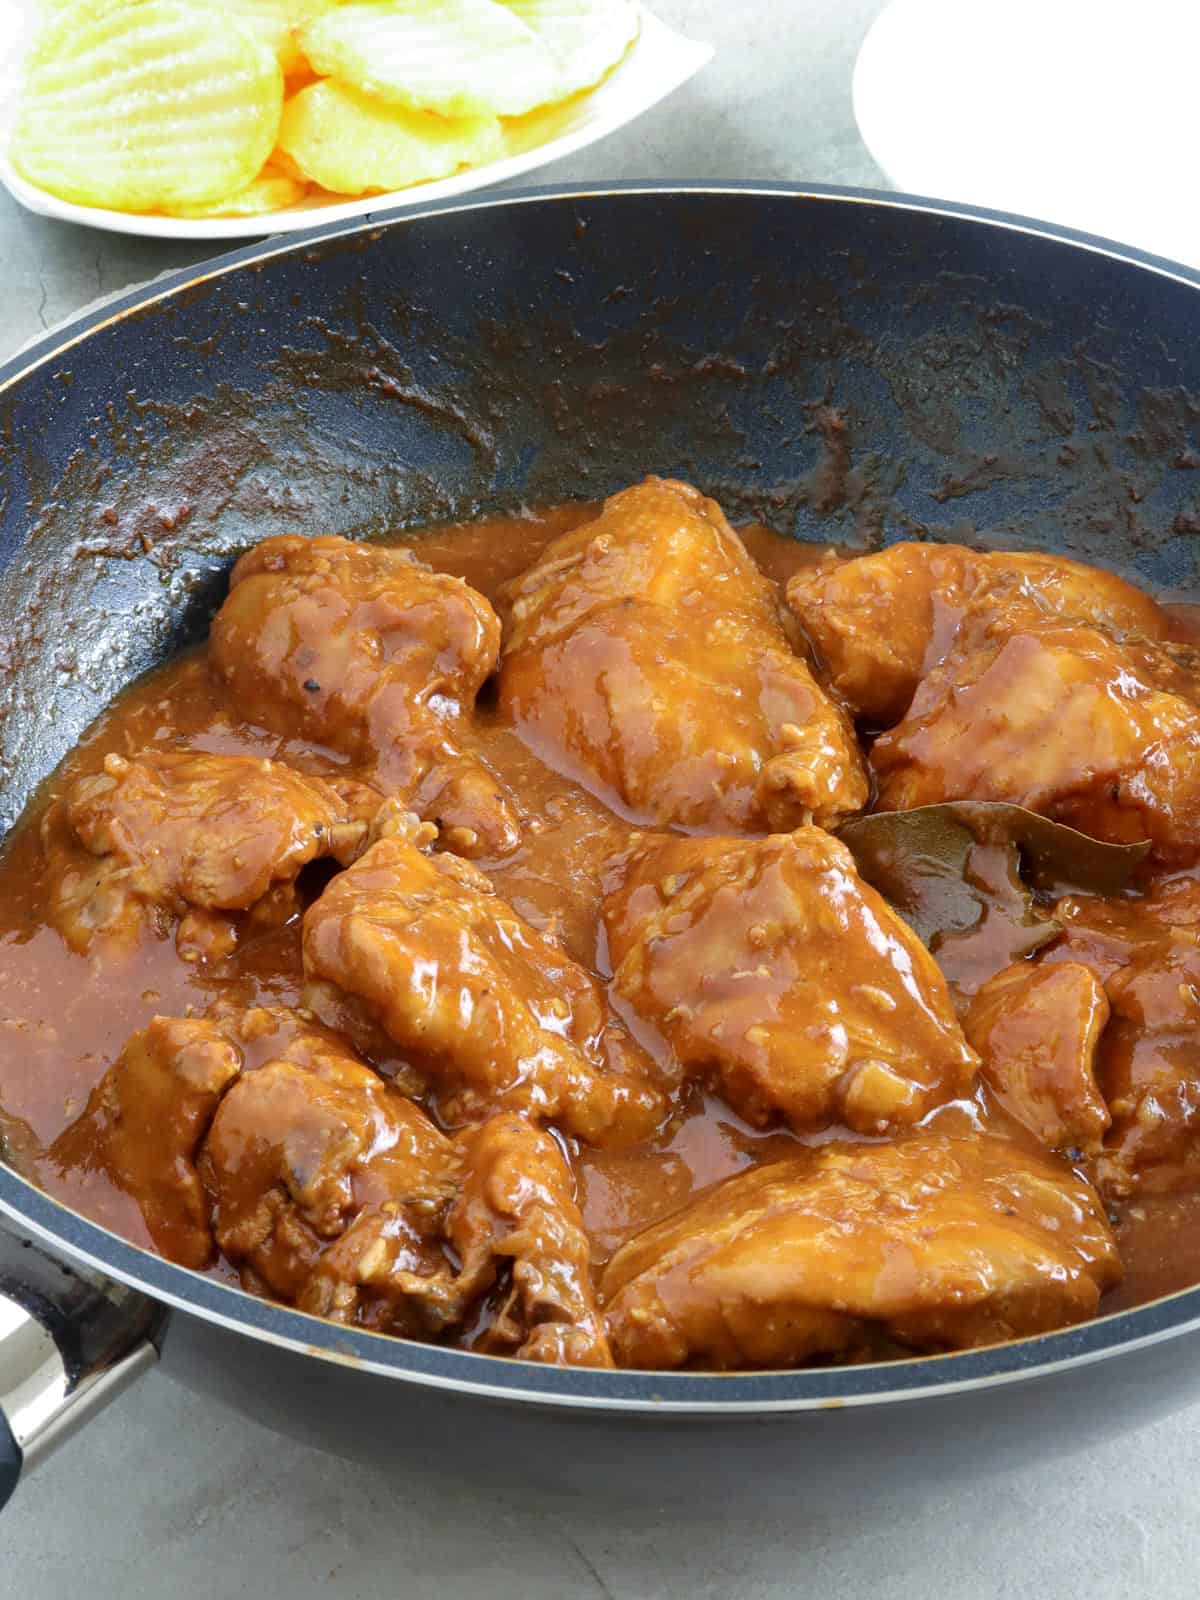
(848, 372)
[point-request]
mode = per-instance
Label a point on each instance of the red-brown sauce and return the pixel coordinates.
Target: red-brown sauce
(65, 1017)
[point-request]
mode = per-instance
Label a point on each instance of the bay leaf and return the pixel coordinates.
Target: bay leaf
(1054, 857)
(963, 875)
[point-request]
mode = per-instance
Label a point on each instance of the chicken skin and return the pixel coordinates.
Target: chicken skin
(645, 656)
(148, 1116)
(1147, 955)
(775, 974)
(492, 1011)
(1061, 719)
(262, 1134)
(880, 622)
(362, 648)
(340, 1196)
(448, 1228)
(170, 834)
(517, 1205)
(144, 1124)
(929, 1243)
(1037, 1029)
(330, 1187)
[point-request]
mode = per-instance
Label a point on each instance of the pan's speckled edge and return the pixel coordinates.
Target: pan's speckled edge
(700, 1394)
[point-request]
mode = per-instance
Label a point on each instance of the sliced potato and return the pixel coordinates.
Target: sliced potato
(585, 37)
(354, 144)
(459, 58)
(145, 106)
(273, 190)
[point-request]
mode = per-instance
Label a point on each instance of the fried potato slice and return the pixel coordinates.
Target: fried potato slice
(353, 144)
(273, 190)
(460, 58)
(585, 37)
(145, 106)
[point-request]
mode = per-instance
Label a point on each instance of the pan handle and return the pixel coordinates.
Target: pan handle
(70, 1339)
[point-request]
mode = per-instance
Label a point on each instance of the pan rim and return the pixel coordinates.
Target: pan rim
(622, 1390)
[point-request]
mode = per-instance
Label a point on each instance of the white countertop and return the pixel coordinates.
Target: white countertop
(164, 1496)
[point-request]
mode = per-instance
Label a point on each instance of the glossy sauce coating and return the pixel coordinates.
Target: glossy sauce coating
(775, 972)
(65, 1016)
(647, 655)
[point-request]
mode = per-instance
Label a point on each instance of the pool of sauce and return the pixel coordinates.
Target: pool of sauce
(64, 1017)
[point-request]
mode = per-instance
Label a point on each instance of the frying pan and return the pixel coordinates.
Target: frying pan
(998, 381)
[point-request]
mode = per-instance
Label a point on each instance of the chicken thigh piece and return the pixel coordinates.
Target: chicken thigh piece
(144, 1124)
(516, 1219)
(879, 623)
(495, 1013)
(362, 648)
(776, 974)
(341, 1197)
(1037, 1029)
(645, 656)
(261, 1132)
(931, 1243)
(1059, 718)
(192, 837)
(146, 1120)
(1147, 954)
(330, 1188)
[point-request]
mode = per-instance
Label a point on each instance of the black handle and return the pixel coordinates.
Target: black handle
(11, 1457)
(70, 1339)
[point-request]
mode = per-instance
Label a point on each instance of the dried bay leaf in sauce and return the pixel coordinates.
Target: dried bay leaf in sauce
(963, 875)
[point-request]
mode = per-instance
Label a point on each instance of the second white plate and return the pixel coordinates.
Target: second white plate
(1077, 111)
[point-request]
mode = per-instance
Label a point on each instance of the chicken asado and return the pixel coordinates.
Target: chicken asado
(646, 654)
(495, 1012)
(925, 1243)
(362, 648)
(263, 1135)
(878, 624)
(193, 840)
(775, 974)
(462, 948)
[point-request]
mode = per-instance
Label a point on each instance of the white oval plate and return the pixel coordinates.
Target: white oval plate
(658, 62)
(1081, 112)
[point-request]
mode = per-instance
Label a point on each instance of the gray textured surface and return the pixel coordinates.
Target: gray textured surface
(165, 1497)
